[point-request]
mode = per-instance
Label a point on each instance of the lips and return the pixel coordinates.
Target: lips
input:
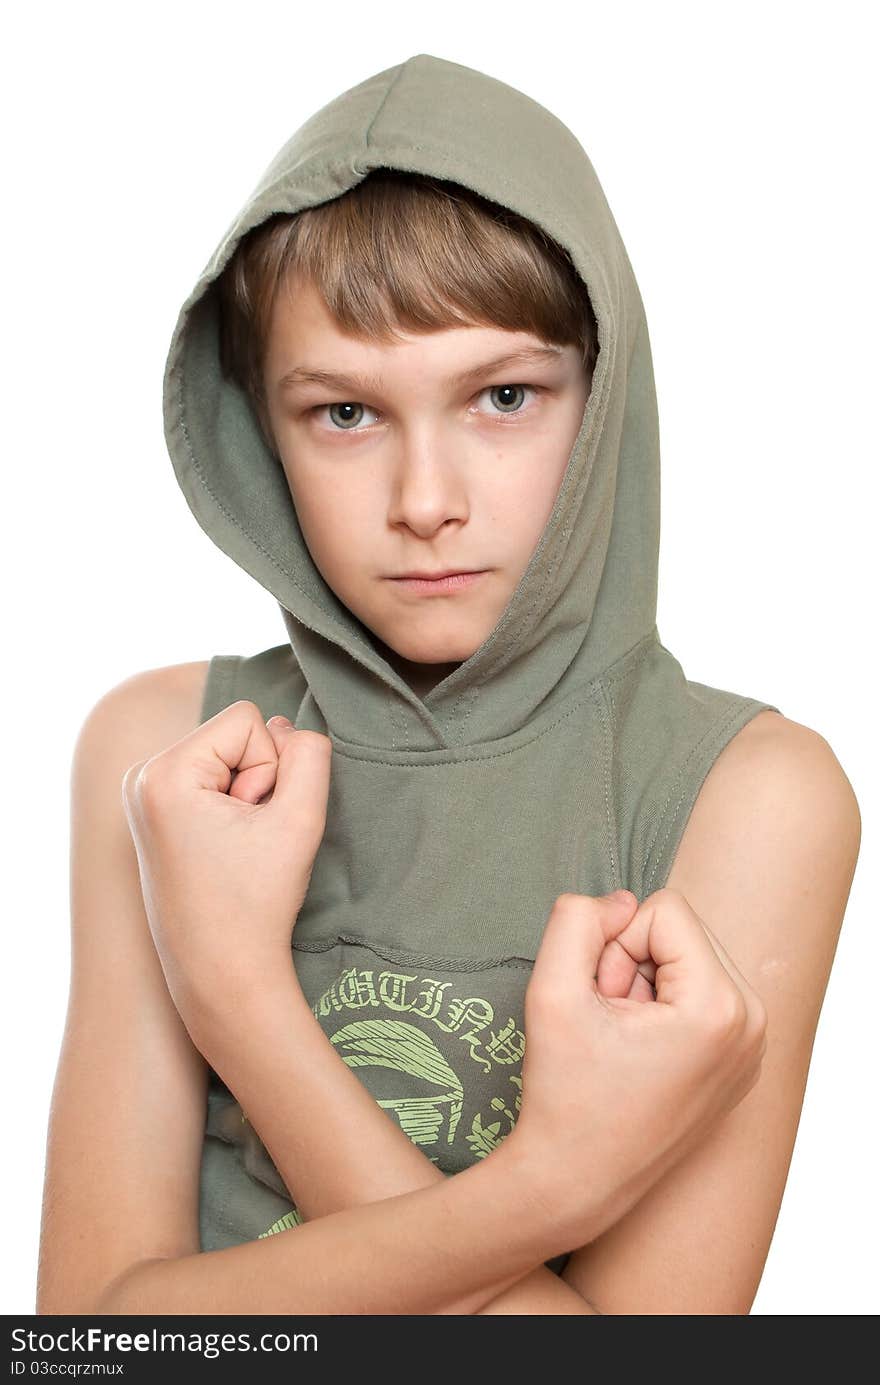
(438, 586)
(436, 576)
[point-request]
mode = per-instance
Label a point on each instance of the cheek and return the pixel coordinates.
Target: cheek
(521, 511)
(330, 516)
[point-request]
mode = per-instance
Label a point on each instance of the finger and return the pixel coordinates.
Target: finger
(302, 782)
(666, 930)
(574, 937)
(256, 784)
(617, 971)
(229, 744)
(724, 957)
(641, 989)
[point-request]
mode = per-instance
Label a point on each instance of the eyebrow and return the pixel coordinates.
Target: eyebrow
(331, 379)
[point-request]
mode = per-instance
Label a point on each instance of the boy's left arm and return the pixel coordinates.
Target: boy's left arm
(767, 861)
(327, 1136)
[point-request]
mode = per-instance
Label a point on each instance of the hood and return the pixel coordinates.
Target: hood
(588, 594)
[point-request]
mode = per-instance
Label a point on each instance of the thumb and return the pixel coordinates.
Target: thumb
(574, 937)
(302, 775)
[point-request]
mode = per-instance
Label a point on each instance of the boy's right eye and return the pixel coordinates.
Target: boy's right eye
(344, 417)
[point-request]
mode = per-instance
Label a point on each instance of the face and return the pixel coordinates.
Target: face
(420, 456)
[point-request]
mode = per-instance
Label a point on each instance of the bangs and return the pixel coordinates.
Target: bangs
(401, 252)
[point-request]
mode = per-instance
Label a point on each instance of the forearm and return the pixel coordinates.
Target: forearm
(441, 1249)
(332, 1143)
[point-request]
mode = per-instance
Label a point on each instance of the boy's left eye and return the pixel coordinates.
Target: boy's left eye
(507, 398)
(509, 395)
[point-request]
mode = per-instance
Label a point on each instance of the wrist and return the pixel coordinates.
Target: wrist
(572, 1211)
(218, 1008)
(534, 1195)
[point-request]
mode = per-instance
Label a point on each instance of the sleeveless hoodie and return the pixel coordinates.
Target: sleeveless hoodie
(565, 754)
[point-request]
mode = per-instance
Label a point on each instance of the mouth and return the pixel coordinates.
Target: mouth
(439, 583)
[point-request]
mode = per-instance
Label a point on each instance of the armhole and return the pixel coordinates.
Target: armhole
(684, 791)
(219, 689)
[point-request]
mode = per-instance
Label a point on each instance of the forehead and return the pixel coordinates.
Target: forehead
(307, 345)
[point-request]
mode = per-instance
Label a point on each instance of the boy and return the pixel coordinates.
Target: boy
(339, 417)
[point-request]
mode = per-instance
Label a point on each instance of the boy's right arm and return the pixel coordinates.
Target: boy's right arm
(128, 1106)
(120, 1215)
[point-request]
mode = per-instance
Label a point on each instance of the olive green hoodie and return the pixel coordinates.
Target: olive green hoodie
(564, 755)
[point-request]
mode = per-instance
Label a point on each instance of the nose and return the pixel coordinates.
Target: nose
(428, 486)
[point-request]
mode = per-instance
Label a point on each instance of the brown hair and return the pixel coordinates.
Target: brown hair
(401, 251)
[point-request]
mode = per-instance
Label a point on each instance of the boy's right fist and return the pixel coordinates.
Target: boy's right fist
(618, 1085)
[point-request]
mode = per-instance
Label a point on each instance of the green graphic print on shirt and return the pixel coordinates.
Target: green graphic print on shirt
(437, 1057)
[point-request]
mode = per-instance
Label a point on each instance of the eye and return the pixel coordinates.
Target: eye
(344, 416)
(508, 397)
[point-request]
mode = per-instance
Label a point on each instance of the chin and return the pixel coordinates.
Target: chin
(448, 652)
(431, 659)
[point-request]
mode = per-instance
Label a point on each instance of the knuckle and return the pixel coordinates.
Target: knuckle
(150, 783)
(316, 738)
(132, 778)
(311, 822)
(569, 900)
(670, 897)
(759, 1038)
(667, 898)
(243, 702)
(759, 1018)
(727, 1016)
(315, 824)
(540, 1005)
(752, 1080)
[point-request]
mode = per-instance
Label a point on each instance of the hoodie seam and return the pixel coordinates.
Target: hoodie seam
(467, 759)
(623, 666)
(604, 705)
(712, 735)
(223, 508)
(389, 952)
(381, 106)
(551, 571)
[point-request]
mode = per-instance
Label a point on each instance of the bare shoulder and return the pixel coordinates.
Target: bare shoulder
(147, 711)
(776, 817)
(135, 719)
(774, 773)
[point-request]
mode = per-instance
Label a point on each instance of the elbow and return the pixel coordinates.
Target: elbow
(121, 1295)
(118, 1295)
(65, 1300)
(60, 1295)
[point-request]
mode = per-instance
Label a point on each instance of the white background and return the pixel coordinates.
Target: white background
(734, 146)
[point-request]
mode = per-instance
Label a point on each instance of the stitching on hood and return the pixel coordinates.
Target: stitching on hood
(381, 106)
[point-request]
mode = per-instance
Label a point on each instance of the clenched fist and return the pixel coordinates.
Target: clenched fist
(619, 1083)
(227, 823)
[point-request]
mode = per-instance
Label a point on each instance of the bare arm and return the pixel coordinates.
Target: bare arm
(328, 1138)
(767, 860)
(442, 1248)
(119, 1174)
(120, 1217)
